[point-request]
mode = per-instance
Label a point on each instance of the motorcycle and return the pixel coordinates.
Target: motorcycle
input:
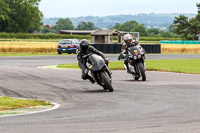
(99, 71)
(136, 64)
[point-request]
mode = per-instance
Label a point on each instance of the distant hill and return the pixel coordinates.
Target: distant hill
(150, 20)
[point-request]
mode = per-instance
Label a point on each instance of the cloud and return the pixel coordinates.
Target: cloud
(75, 8)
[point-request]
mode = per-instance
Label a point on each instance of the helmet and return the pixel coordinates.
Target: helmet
(128, 38)
(84, 44)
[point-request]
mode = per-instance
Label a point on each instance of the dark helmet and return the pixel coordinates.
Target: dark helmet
(84, 44)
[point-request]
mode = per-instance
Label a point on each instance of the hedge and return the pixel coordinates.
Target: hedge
(157, 38)
(153, 38)
(61, 36)
(41, 36)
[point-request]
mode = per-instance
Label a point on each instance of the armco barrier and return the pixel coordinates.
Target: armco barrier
(116, 48)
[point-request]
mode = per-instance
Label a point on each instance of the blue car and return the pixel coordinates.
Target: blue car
(67, 46)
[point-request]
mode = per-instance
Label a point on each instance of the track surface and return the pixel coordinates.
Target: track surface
(166, 102)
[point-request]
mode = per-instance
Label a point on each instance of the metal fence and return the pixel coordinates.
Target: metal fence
(116, 48)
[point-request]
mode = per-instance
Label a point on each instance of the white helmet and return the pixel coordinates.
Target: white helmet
(128, 38)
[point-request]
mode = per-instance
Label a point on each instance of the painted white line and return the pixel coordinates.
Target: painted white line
(53, 66)
(53, 108)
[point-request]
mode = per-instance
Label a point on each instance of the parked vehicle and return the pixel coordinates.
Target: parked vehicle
(136, 64)
(67, 46)
(99, 71)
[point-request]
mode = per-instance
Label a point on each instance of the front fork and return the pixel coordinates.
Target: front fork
(135, 64)
(97, 75)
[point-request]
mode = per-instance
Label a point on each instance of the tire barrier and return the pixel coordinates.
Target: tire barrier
(116, 48)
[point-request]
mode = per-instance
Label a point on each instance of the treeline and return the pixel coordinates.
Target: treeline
(160, 20)
(133, 26)
(182, 27)
(61, 36)
(130, 26)
(66, 24)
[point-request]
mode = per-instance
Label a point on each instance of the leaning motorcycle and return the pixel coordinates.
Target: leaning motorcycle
(99, 71)
(136, 64)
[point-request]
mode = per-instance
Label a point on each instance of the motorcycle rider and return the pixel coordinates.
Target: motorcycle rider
(83, 50)
(128, 42)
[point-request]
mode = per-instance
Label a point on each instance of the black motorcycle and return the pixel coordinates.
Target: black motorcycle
(99, 71)
(136, 64)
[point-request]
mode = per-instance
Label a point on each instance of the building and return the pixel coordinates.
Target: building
(105, 36)
(47, 26)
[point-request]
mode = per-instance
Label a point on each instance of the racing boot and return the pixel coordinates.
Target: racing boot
(91, 79)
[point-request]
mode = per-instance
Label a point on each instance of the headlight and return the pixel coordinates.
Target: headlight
(139, 56)
(135, 57)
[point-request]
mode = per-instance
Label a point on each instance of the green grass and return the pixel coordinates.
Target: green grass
(69, 66)
(7, 103)
(30, 54)
(180, 65)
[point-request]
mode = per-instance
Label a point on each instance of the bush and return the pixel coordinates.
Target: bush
(41, 36)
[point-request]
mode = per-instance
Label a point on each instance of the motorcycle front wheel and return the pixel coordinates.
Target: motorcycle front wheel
(142, 70)
(107, 83)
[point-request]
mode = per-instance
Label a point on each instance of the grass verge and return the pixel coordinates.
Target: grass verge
(7, 103)
(176, 65)
(30, 54)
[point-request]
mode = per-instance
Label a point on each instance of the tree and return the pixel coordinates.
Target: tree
(194, 26)
(141, 29)
(4, 15)
(46, 30)
(131, 26)
(153, 31)
(188, 28)
(85, 26)
(182, 25)
(117, 26)
(64, 24)
(20, 15)
(172, 28)
(127, 26)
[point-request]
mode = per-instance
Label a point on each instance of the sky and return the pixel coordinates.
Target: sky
(77, 8)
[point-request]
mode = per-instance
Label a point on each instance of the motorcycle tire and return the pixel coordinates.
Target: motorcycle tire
(142, 71)
(106, 81)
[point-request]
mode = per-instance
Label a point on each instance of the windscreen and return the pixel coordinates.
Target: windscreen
(134, 50)
(65, 42)
(97, 62)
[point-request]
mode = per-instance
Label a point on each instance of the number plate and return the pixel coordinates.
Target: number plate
(65, 46)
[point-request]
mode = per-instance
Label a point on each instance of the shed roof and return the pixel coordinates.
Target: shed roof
(77, 31)
(106, 32)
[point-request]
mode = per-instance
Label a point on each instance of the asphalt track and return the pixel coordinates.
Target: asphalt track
(165, 103)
